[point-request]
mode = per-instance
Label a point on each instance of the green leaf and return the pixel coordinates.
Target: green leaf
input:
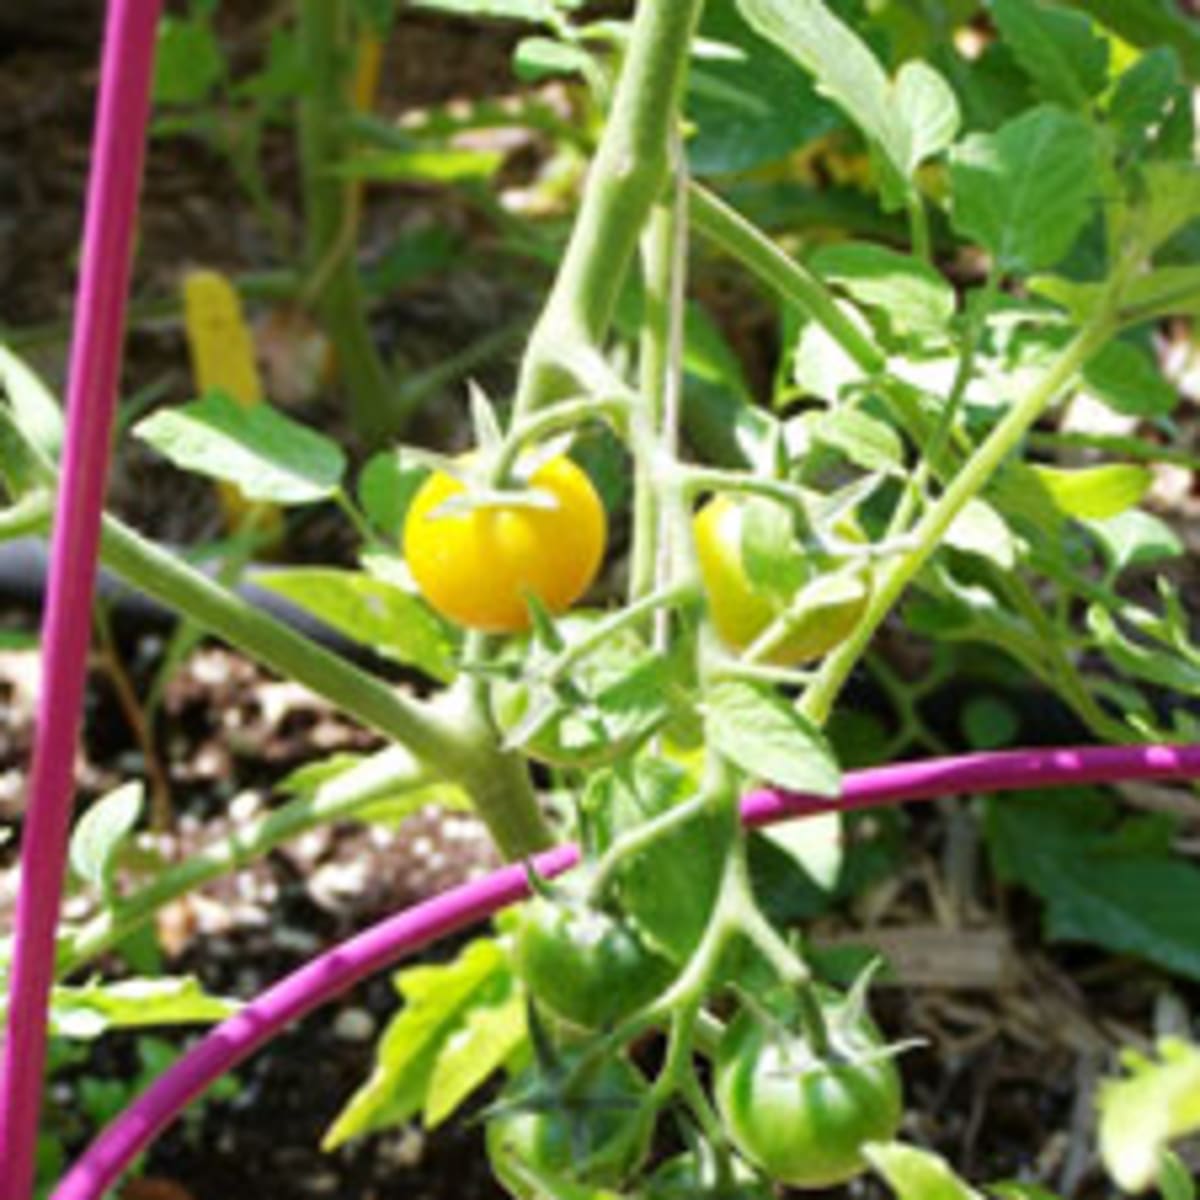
(1171, 670)
(917, 1174)
(1026, 191)
(980, 529)
(385, 490)
(669, 888)
(771, 556)
(1100, 885)
(84, 1013)
(269, 456)
(908, 120)
(1126, 377)
(926, 109)
(1171, 201)
(751, 106)
(1020, 1191)
(913, 296)
(101, 832)
(488, 1039)
(538, 58)
(442, 165)
(1145, 95)
(1174, 1179)
(187, 61)
(33, 404)
(1095, 493)
(1157, 1101)
(439, 1001)
(754, 727)
(371, 611)
(866, 442)
(1135, 538)
(1060, 51)
(1168, 291)
(816, 845)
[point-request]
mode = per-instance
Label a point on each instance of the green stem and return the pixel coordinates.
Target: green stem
(330, 227)
(385, 775)
(918, 225)
(818, 700)
(790, 280)
(627, 177)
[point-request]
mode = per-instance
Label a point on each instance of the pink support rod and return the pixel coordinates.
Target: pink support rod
(101, 1165)
(118, 149)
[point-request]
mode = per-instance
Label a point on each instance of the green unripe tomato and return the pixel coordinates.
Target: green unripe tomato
(687, 1177)
(585, 965)
(741, 611)
(802, 1118)
(597, 1139)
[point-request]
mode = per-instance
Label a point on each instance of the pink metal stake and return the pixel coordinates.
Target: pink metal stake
(118, 149)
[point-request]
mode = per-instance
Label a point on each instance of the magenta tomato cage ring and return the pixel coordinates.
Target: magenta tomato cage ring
(115, 179)
(382, 945)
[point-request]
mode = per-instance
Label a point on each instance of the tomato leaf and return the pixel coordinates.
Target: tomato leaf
(1103, 883)
(33, 404)
(1155, 1102)
(101, 832)
(917, 1174)
(1095, 493)
(1060, 51)
(1135, 538)
(370, 610)
(1026, 191)
(1125, 376)
(754, 727)
(439, 1003)
(914, 298)
(269, 456)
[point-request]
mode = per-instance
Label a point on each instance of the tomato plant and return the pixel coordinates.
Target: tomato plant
(596, 1135)
(584, 964)
(801, 1113)
(479, 563)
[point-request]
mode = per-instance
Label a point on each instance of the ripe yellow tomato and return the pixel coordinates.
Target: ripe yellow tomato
(478, 567)
(741, 611)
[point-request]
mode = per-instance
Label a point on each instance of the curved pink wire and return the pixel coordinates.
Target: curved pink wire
(118, 149)
(299, 993)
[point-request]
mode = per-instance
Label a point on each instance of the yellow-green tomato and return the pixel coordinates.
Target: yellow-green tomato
(741, 611)
(478, 567)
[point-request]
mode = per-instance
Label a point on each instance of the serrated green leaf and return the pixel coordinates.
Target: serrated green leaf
(917, 1174)
(914, 297)
(1157, 1101)
(759, 731)
(101, 832)
(1167, 291)
(488, 1039)
(34, 406)
(187, 61)
(1144, 96)
(84, 1013)
(907, 120)
(1171, 201)
(1100, 886)
(370, 611)
(752, 105)
(1026, 191)
(769, 551)
(268, 456)
(438, 1001)
(1171, 670)
(1060, 51)
(1095, 493)
(1149, 23)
